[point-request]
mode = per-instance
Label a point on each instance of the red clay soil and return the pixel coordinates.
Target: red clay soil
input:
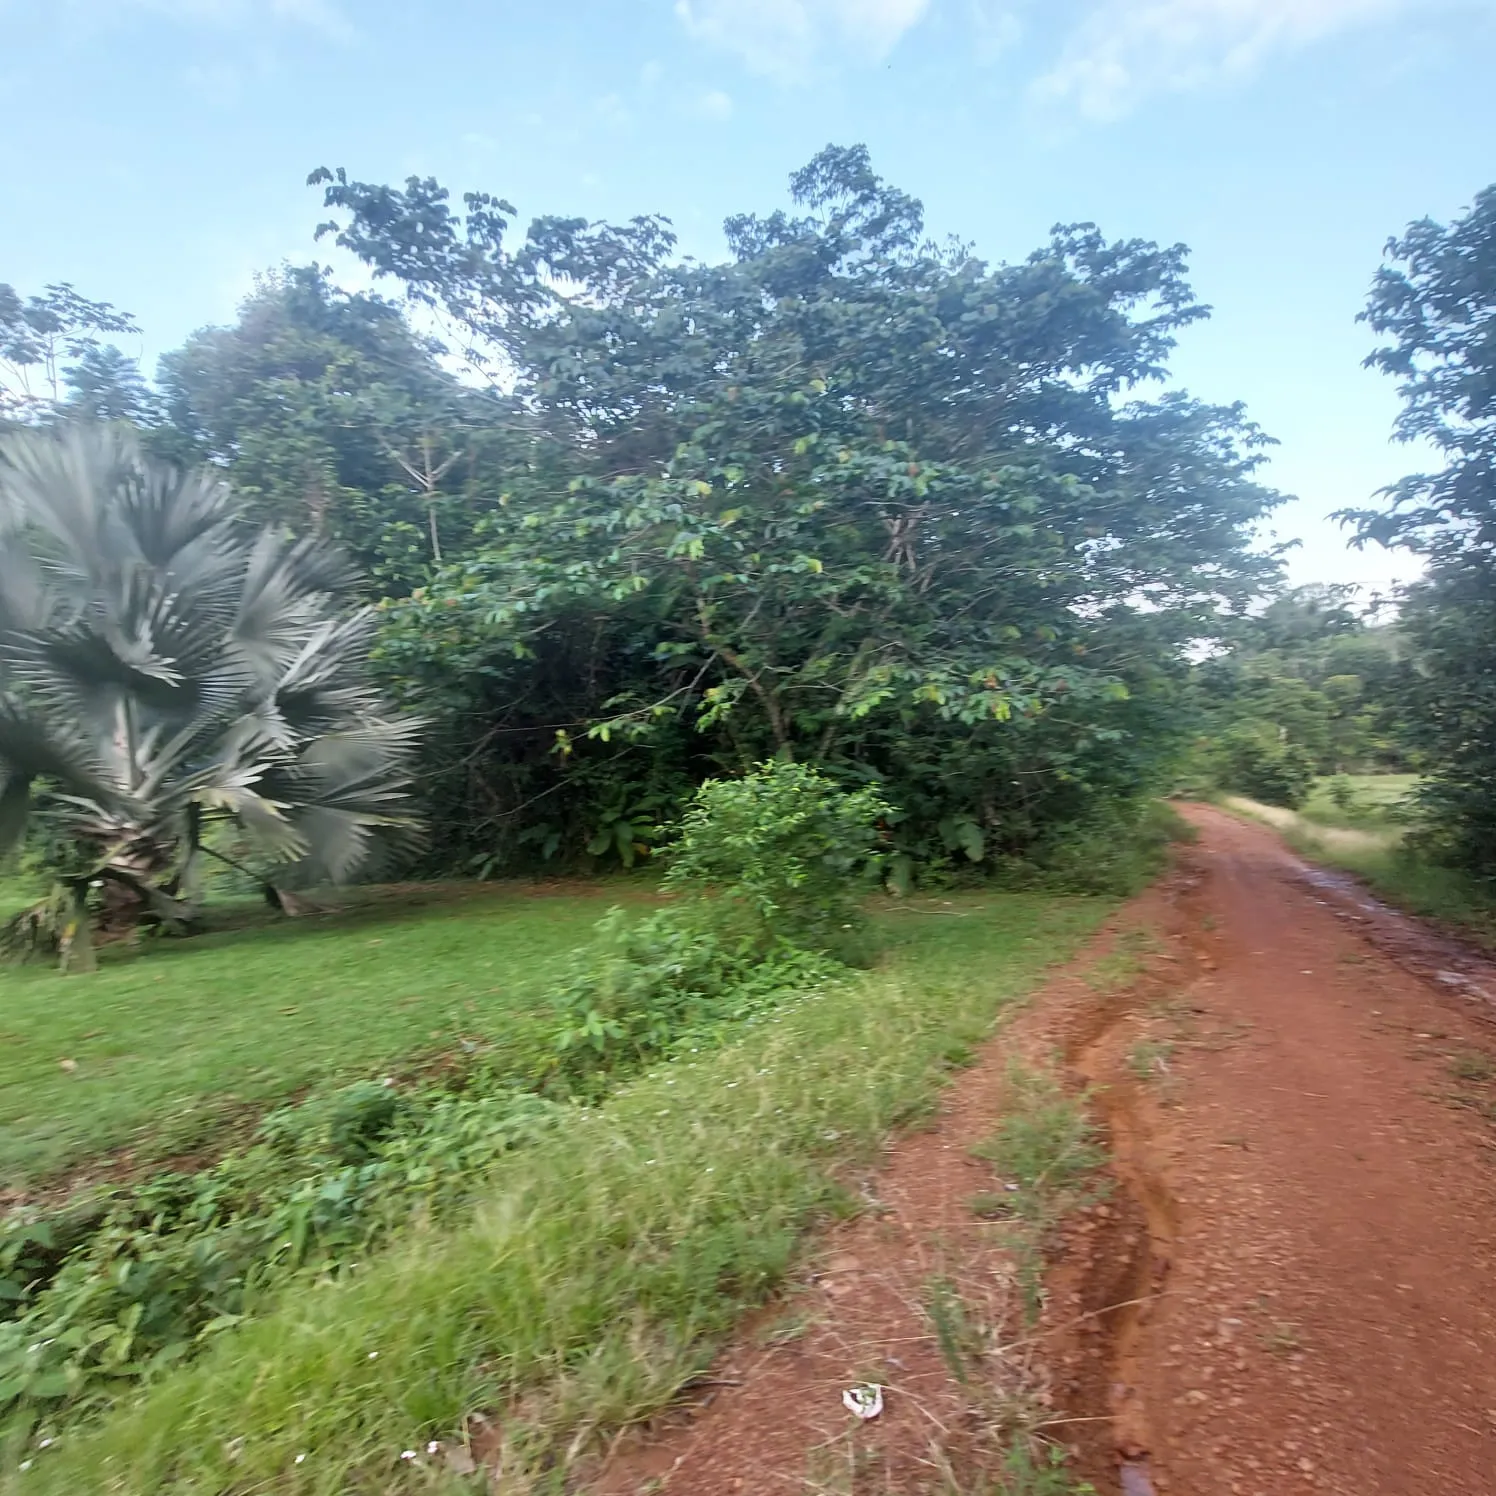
(1291, 1288)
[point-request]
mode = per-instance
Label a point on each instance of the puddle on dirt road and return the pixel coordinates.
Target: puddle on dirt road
(1450, 964)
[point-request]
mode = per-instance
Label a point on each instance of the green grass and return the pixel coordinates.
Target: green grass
(15, 894)
(1375, 801)
(172, 1043)
(1045, 1149)
(605, 1261)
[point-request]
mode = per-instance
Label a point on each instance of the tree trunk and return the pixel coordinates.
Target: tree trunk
(77, 937)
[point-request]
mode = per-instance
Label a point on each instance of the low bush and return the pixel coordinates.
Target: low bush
(789, 853)
(769, 872)
(104, 1293)
(648, 985)
(1252, 759)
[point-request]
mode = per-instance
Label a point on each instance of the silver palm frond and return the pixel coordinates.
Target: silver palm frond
(162, 666)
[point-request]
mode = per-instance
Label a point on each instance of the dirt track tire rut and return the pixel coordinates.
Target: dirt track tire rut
(1292, 1287)
(1323, 1183)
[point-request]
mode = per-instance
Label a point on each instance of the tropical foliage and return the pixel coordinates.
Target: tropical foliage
(1435, 303)
(164, 671)
(1309, 686)
(850, 497)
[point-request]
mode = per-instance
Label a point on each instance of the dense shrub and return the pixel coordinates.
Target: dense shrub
(1251, 758)
(785, 849)
(768, 872)
(645, 986)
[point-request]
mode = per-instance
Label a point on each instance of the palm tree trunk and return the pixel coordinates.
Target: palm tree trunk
(77, 937)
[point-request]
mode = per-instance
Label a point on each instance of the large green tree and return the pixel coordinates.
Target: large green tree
(163, 669)
(1435, 303)
(52, 342)
(849, 496)
(332, 417)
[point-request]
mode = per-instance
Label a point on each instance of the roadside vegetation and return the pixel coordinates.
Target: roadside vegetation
(594, 1274)
(121, 1287)
(821, 626)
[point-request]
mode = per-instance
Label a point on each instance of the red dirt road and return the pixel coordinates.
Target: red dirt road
(1292, 1289)
(1330, 1322)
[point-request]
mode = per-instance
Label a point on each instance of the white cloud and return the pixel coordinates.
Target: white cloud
(784, 38)
(714, 104)
(323, 16)
(1125, 49)
(997, 27)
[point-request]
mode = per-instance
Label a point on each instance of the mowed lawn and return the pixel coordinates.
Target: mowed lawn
(161, 1047)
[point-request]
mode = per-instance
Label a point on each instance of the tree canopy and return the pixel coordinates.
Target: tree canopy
(336, 419)
(850, 496)
(1435, 302)
(39, 334)
(1309, 685)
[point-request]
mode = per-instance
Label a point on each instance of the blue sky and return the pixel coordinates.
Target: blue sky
(159, 150)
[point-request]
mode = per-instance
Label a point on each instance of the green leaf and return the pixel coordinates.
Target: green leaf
(47, 1384)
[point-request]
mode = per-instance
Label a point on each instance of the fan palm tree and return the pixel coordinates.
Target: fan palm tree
(164, 667)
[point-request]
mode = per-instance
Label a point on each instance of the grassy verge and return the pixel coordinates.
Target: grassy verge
(157, 1051)
(1045, 1149)
(1368, 802)
(1406, 880)
(1368, 842)
(1046, 1155)
(604, 1261)
(15, 894)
